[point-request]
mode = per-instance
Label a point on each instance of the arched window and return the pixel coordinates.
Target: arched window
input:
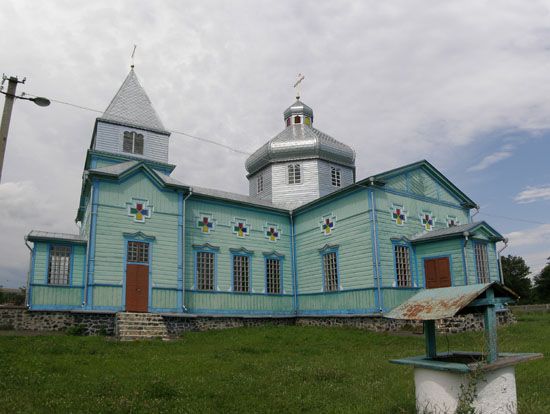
(294, 174)
(288, 121)
(132, 143)
(297, 119)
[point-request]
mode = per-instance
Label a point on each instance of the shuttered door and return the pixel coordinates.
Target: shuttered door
(438, 273)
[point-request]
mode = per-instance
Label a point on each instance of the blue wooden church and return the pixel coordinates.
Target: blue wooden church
(309, 238)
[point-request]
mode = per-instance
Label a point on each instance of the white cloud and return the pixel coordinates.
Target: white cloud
(531, 194)
(537, 236)
(489, 160)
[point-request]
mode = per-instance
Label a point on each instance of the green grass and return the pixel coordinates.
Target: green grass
(269, 369)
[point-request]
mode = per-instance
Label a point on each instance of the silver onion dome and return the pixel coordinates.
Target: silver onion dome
(299, 141)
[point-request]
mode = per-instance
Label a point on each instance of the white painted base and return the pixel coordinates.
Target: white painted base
(438, 392)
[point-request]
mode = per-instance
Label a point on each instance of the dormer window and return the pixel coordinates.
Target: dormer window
(336, 177)
(133, 143)
(260, 183)
(294, 174)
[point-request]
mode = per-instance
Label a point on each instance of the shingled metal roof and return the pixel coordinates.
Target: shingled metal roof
(131, 106)
(298, 142)
(37, 235)
(456, 231)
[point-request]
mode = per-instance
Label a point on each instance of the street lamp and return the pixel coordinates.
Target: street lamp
(6, 115)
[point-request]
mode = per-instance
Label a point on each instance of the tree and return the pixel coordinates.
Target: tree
(516, 272)
(542, 284)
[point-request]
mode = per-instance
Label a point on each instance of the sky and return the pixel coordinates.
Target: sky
(463, 84)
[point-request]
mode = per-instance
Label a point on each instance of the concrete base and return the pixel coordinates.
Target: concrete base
(439, 392)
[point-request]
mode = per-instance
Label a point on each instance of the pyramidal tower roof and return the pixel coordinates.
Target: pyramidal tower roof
(131, 106)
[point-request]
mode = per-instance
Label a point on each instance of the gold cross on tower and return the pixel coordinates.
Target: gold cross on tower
(299, 79)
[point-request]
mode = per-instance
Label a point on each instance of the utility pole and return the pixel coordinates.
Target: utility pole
(6, 115)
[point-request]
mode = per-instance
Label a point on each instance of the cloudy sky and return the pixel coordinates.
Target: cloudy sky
(464, 84)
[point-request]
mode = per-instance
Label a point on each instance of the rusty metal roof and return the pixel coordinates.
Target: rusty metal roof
(432, 304)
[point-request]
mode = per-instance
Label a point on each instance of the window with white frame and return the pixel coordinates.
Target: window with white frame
(137, 252)
(132, 143)
(59, 266)
(241, 273)
(205, 270)
(330, 270)
(273, 275)
(402, 265)
(336, 177)
(260, 183)
(482, 262)
(294, 174)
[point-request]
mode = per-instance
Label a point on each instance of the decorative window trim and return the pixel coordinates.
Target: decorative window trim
(205, 248)
(294, 173)
(272, 232)
(260, 184)
(139, 236)
(336, 176)
(139, 209)
(398, 214)
(452, 221)
(208, 226)
(425, 218)
(333, 284)
(483, 270)
(241, 252)
(409, 265)
(328, 224)
(58, 279)
(280, 259)
(133, 143)
(240, 228)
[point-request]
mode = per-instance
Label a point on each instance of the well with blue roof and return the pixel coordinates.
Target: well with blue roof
(308, 240)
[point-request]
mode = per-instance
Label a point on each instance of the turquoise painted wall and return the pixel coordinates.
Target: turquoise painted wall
(224, 214)
(444, 248)
(113, 222)
(351, 233)
(44, 295)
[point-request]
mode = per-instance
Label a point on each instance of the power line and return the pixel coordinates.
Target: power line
(513, 219)
(207, 140)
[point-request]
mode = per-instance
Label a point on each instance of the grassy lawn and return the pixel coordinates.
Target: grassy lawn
(269, 369)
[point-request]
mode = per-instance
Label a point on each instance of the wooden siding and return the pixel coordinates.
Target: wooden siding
(56, 296)
(295, 194)
(395, 297)
(109, 138)
(352, 235)
(165, 299)
(471, 264)
(325, 177)
(387, 229)
(224, 238)
(238, 303)
(443, 248)
(268, 184)
(107, 296)
(354, 301)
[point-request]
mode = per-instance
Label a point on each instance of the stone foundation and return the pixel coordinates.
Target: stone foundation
(90, 323)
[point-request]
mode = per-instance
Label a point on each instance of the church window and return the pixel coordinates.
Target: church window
(59, 266)
(260, 183)
(307, 121)
(482, 262)
(402, 265)
(330, 268)
(138, 252)
(273, 275)
(336, 178)
(241, 273)
(133, 143)
(288, 120)
(296, 119)
(294, 174)
(204, 265)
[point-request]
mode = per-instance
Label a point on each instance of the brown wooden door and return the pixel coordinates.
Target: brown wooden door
(438, 272)
(137, 287)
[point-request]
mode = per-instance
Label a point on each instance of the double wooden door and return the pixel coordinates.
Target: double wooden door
(438, 272)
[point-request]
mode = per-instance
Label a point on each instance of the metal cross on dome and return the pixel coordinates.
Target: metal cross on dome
(299, 80)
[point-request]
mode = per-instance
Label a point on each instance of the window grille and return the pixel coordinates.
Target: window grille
(273, 275)
(241, 273)
(336, 176)
(403, 266)
(132, 143)
(260, 183)
(59, 266)
(138, 252)
(330, 268)
(294, 174)
(482, 263)
(205, 271)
